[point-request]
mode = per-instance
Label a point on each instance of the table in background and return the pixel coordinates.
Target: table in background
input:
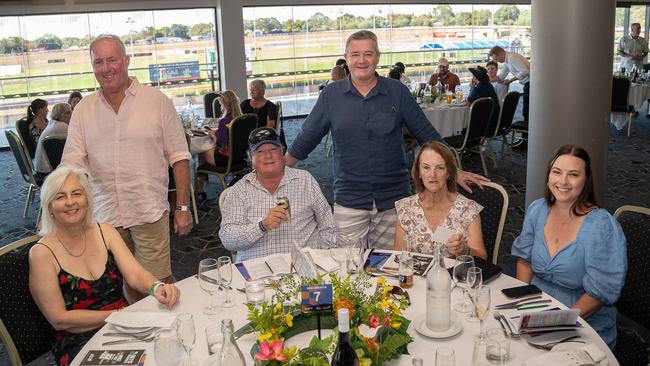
(193, 300)
(447, 119)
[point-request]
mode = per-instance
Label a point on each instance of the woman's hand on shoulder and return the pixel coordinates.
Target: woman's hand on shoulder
(168, 294)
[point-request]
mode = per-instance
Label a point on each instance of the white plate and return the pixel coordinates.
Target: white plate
(131, 330)
(568, 346)
(421, 327)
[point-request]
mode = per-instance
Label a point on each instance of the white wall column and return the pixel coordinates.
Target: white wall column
(570, 86)
(232, 58)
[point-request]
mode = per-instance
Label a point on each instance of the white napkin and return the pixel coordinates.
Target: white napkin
(141, 319)
(587, 355)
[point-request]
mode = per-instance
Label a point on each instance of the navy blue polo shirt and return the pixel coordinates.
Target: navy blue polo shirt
(369, 161)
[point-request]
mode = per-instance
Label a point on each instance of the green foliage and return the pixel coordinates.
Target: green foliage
(202, 29)
(506, 14)
(391, 347)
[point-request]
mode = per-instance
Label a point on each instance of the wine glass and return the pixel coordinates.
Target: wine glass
(474, 281)
(225, 274)
(167, 348)
(481, 300)
(445, 356)
(340, 253)
(186, 334)
(463, 264)
(208, 284)
(355, 254)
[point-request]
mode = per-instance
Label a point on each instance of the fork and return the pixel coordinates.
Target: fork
(131, 340)
(549, 346)
(499, 317)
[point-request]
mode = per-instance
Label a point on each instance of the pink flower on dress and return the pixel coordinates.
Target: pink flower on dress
(273, 351)
(373, 321)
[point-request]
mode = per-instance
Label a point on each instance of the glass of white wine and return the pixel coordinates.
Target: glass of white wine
(481, 299)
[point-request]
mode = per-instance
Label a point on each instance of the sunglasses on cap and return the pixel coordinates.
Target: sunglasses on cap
(262, 134)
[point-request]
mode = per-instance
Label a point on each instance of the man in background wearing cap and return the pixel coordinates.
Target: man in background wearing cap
(518, 66)
(448, 79)
(366, 114)
(254, 225)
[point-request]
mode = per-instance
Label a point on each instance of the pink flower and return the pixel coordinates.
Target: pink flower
(373, 321)
(387, 320)
(273, 351)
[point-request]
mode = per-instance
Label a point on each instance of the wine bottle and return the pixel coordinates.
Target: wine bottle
(344, 354)
(438, 293)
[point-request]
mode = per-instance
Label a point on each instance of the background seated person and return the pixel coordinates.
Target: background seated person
(337, 73)
(394, 74)
(58, 126)
(448, 79)
(570, 248)
(267, 112)
(399, 66)
(437, 204)
(37, 119)
(77, 270)
(74, 98)
(254, 225)
(482, 88)
(499, 86)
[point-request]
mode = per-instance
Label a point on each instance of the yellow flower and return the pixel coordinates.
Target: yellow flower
(395, 325)
(289, 320)
(278, 307)
(387, 289)
(381, 281)
(359, 352)
(384, 304)
(365, 362)
(265, 336)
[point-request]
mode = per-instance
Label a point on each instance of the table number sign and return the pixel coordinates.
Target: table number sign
(316, 298)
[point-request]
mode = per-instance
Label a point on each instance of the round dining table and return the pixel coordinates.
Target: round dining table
(447, 119)
(193, 300)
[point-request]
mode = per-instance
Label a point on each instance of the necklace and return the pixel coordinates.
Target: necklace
(68, 250)
(558, 231)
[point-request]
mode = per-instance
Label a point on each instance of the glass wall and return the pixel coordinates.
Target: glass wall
(47, 56)
(294, 48)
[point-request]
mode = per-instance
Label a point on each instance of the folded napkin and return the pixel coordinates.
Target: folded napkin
(141, 319)
(587, 355)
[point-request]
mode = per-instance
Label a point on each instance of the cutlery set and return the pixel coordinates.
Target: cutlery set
(144, 336)
(522, 303)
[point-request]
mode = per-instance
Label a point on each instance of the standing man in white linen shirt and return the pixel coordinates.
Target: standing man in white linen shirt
(633, 49)
(127, 135)
(518, 66)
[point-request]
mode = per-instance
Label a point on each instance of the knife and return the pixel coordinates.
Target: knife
(525, 303)
(131, 340)
(520, 300)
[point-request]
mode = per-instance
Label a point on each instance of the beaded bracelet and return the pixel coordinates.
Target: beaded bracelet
(154, 286)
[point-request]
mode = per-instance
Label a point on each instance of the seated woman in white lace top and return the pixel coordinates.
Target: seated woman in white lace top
(437, 204)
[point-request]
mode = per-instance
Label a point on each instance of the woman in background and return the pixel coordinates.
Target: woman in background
(37, 119)
(267, 113)
(58, 126)
(74, 98)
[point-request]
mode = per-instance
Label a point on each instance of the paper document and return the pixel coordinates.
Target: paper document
(254, 269)
(303, 264)
(550, 320)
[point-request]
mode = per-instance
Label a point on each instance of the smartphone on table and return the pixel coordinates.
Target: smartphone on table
(521, 291)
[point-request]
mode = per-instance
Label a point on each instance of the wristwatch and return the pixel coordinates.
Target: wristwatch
(182, 208)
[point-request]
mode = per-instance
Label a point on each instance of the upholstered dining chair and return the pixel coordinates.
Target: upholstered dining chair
(208, 98)
(22, 128)
(506, 114)
(26, 169)
(494, 199)
(53, 146)
(479, 118)
(620, 104)
(25, 332)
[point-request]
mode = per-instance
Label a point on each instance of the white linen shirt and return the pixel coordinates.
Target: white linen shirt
(311, 223)
(127, 154)
(516, 64)
(631, 46)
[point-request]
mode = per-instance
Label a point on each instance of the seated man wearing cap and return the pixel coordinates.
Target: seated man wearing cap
(448, 79)
(481, 88)
(255, 224)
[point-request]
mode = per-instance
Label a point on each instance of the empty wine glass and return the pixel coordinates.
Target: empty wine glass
(167, 348)
(225, 274)
(340, 252)
(481, 300)
(186, 334)
(463, 264)
(208, 284)
(474, 281)
(355, 254)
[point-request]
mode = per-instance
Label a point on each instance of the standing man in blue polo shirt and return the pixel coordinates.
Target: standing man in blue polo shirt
(366, 113)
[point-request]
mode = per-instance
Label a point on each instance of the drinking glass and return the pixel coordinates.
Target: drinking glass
(255, 292)
(481, 299)
(340, 252)
(479, 353)
(355, 254)
(498, 346)
(186, 334)
(445, 356)
(167, 348)
(208, 284)
(463, 264)
(214, 337)
(474, 281)
(225, 274)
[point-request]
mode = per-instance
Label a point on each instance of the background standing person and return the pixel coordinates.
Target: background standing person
(633, 49)
(366, 114)
(518, 66)
(267, 112)
(127, 135)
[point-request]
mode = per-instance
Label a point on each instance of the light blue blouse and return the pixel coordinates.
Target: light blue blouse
(595, 263)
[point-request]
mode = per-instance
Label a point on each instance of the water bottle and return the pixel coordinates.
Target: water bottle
(230, 354)
(438, 293)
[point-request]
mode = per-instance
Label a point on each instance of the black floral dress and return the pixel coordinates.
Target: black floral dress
(105, 293)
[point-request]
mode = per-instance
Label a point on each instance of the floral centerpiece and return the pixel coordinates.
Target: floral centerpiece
(378, 330)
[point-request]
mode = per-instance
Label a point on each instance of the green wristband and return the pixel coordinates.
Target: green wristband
(152, 288)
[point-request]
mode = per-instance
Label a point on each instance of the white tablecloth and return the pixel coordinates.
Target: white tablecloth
(447, 119)
(193, 300)
(639, 93)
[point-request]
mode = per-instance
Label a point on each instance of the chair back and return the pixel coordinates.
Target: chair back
(53, 146)
(24, 330)
(239, 130)
(479, 119)
(494, 199)
(507, 113)
(620, 92)
(216, 108)
(635, 297)
(20, 153)
(22, 128)
(279, 109)
(207, 104)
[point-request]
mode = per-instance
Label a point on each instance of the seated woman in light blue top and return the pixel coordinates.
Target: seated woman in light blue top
(570, 248)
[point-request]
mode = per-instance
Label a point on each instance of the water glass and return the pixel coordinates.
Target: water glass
(445, 356)
(498, 346)
(479, 357)
(209, 267)
(214, 337)
(463, 264)
(255, 292)
(168, 349)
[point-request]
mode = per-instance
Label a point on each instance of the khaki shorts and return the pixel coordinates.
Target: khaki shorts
(149, 243)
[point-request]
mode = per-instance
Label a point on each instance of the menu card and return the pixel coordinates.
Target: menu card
(114, 358)
(254, 269)
(549, 320)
